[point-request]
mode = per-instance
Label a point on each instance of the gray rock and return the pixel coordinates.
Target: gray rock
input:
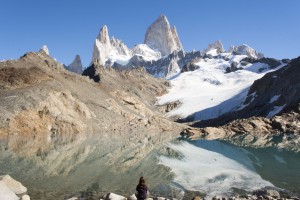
(13, 185)
(189, 67)
(76, 65)
(112, 196)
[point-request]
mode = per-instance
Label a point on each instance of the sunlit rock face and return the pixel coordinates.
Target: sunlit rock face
(160, 36)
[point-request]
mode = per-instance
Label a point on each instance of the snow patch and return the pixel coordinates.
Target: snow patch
(275, 111)
(252, 96)
(275, 98)
(146, 52)
(209, 92)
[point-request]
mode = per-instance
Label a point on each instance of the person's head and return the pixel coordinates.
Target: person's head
(142, 181)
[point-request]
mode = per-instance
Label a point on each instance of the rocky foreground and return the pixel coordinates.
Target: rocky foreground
(13, 190)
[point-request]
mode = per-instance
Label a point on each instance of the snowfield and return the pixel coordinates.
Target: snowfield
(209, 92)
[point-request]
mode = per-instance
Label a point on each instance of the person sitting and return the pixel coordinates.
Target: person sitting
(141, 190)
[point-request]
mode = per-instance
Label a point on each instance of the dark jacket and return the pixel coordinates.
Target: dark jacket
(141, 192)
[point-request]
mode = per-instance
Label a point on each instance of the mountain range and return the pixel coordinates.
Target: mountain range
(109, 121)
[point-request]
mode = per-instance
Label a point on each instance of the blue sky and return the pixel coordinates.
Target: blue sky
(69, 27)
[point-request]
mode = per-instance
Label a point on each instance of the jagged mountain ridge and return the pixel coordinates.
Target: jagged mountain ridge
(161, 54)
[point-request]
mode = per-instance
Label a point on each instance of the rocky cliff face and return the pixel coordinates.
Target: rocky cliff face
(160, 36)
(53, 123)
(76, 65)
(176, 38)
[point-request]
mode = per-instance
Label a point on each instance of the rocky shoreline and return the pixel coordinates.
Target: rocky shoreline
(256, 195)
(10, 189)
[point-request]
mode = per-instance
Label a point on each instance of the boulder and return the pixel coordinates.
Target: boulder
(132, 197)
(112, 196)
(267, 193)
(25, 197)
(13, 185)
(196, 198)
(273, 193)
(6, 193)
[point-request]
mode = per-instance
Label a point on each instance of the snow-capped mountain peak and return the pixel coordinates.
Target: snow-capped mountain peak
(245, 50)
(217, 45)
(112, 50)
(103, 36)
(160, 36)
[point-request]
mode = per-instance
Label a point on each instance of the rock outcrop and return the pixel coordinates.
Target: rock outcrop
(272, 62)
(45, 49)
(76, 65)
(160, 36)
(191, 66)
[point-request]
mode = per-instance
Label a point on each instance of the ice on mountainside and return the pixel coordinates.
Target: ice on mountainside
(145, 51)
(160, 36)
(276, 110)
(208, 92)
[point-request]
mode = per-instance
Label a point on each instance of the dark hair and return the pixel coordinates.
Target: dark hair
(142, 181)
